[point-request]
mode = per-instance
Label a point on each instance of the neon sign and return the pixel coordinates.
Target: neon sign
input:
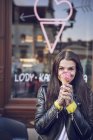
(53, 21)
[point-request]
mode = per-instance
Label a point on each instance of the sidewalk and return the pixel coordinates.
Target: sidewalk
(32, 134)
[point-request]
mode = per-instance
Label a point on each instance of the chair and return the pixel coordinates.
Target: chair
(12, 130)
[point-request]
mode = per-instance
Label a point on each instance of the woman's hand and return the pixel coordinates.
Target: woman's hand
(65, 95)
(68, 90)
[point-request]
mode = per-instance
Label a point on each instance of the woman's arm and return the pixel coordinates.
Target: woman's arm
(44, 118)
(83, 126)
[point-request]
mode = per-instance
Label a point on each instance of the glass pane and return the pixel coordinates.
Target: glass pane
(40, 30)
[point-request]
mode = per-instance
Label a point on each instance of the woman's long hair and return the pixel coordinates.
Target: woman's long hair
(79, 85)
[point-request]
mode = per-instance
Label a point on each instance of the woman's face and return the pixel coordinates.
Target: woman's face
(66, 70)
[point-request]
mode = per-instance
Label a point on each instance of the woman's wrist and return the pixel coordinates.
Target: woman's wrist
(57, 105)
(71, 107)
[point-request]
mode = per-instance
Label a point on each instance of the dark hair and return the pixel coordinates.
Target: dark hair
(79, 85)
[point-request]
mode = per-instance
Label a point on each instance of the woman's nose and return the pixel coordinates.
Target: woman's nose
(65, 70)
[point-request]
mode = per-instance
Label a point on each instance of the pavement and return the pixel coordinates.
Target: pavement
(32, 134)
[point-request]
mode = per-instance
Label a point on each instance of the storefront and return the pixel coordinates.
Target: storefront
(32, 32)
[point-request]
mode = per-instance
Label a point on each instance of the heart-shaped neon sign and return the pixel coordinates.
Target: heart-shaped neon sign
(60, 2)
(53, 21)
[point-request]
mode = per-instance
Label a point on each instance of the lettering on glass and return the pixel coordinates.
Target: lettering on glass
(53, 21)
(26, 77)
(43, 77)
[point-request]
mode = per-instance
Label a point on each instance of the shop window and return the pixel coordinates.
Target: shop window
(31, 63)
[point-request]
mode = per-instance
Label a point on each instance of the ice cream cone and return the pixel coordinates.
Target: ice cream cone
(66, 78)
(64, 81)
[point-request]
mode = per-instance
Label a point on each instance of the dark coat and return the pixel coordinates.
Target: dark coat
(49, 122)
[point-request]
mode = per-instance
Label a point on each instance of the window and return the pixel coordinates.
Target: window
(31, 57)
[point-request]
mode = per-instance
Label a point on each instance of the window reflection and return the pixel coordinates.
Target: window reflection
(31, 59)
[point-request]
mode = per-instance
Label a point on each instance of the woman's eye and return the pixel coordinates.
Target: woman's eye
(71, 69)
(61, 68)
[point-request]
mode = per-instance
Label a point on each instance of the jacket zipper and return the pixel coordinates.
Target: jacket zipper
(57, 115)
(76, 124)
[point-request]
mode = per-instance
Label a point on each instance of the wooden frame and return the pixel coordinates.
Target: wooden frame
(19, 109)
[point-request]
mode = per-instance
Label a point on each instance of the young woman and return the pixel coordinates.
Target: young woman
(65, 107)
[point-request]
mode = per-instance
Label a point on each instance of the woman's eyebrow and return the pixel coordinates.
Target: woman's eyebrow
(67, 66)
(71, 67)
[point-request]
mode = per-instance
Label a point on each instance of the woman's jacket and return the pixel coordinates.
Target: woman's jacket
(49, 122)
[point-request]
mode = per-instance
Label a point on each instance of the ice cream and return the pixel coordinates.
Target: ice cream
(66, 78)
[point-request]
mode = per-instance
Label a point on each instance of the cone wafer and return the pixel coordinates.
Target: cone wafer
(66, 79)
